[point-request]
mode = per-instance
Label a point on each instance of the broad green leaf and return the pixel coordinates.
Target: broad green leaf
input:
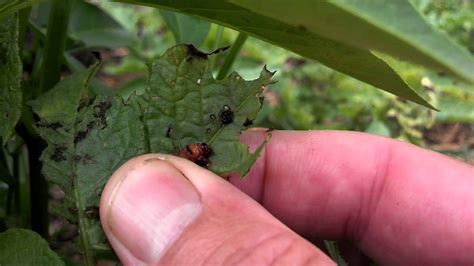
(89, 138)
(358, 63)
(10, 77)
(23, 247)
(393, 27)
(95, 28)
(186, 29)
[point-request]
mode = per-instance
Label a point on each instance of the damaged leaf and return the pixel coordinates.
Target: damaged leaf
(183, 106)
(186, 105)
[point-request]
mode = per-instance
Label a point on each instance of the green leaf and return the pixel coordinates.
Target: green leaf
(186, 29)
(58, 110)
(24, 247)
(89, 139)
(358, 63)
(191, 103)
(95, 28)
(10, 77)
(393, 27)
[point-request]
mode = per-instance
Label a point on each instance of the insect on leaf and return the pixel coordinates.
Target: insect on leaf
(185, 105)
(89, 138)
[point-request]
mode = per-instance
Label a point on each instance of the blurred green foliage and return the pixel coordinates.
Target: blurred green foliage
(309, 95)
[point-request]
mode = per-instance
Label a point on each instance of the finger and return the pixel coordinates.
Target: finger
(396, 201)
(159, 209)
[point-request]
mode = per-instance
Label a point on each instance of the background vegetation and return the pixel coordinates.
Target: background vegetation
(307, 95)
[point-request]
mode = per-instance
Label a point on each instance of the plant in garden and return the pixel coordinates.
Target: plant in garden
(81, 132)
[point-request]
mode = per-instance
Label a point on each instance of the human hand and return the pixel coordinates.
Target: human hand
(399, 204)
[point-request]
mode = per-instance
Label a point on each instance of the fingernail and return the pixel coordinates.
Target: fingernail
(151, 208)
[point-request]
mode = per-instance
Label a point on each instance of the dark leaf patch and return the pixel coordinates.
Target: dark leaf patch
(100, 110)
(248, 123)
(58, 154)
(194, 52)
(226, 115)
(81, 135)
(92, 212)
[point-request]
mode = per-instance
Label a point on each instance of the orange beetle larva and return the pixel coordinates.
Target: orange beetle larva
(198, 153)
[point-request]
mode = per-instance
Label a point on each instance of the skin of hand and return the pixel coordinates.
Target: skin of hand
(397, 203)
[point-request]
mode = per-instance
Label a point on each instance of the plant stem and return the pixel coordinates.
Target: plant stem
(22, 26)
(38, 189)
(24, 186)
(55, 43)
(38, 185)
(234, 51)
(217, 43)
(8, 179)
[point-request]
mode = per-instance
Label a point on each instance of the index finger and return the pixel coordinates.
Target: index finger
(397, 202)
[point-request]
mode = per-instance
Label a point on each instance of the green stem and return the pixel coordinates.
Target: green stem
(38, 185)
(7, 178)
(22, 26)
(55, 43)
(217, 43)
(234, 51)
(16, 187)
(22, 189)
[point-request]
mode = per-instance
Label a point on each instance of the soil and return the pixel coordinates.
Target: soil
(453, 139)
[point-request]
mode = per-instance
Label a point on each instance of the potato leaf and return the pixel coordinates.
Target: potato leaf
(89, 138)
(10, 77)
(185, 104)
(24, 247)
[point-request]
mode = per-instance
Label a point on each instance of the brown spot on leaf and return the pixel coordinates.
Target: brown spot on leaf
(53, 126)
(100, 110)
(92, 212)
(219, 50)
(87, 159)
(72, 210)
(58, 154)
(248, 122)
(81, 135)
(194, 52)
(169, 131)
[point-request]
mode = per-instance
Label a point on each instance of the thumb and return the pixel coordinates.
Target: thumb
(161, 209)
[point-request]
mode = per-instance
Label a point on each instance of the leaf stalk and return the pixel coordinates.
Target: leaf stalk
(233, 52)
(55, 44)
